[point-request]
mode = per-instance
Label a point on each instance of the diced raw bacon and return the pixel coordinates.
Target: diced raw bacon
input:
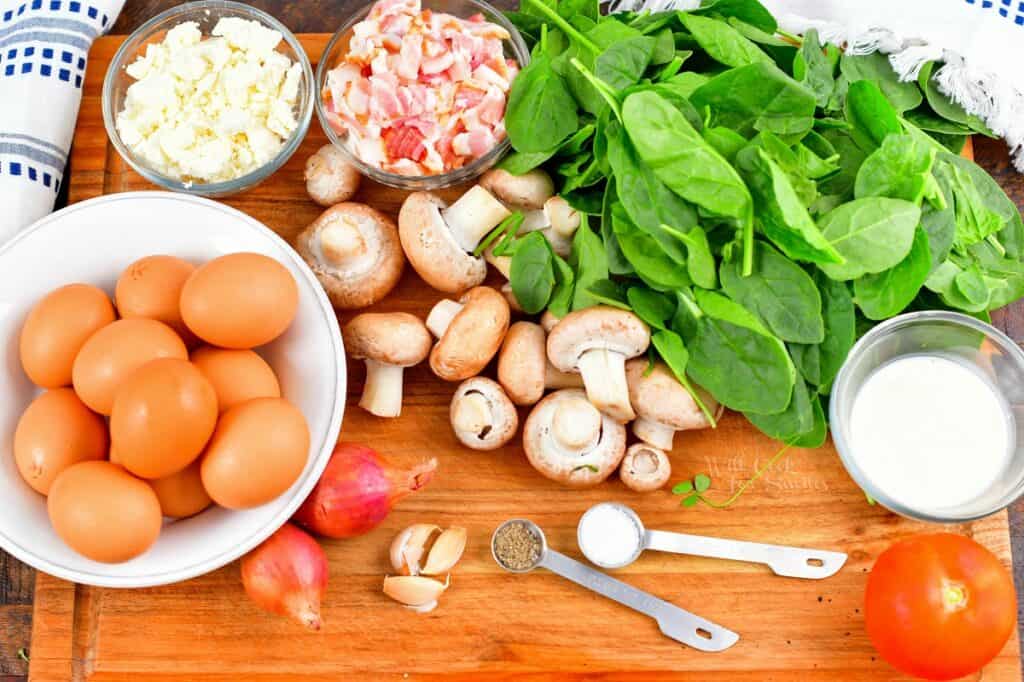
(405, 142)
(421, 92)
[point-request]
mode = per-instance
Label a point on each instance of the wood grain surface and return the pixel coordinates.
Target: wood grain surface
(205, 629)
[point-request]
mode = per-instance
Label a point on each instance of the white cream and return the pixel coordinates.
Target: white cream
(213, 109)
(608, 536)
(930, 432)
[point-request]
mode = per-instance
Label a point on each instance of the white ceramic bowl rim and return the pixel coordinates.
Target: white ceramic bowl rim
(321, 452)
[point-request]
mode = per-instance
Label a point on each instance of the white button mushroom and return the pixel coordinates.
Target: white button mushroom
(663, 406)
(548, 320)
(645, 468)
(389, 342)
(524, 370)
(330, 178)
(483, 417)
(567, 440)
(355, 253)
(523, 192)
(596, 342)
(439, 240)
(469, 332)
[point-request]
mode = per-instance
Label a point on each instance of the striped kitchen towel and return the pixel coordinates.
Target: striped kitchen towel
(44, 45)
(980, 44)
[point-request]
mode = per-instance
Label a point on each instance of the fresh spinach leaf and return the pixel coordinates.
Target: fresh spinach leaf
(587, 261)
(875, 67)
(779, 292)
(886, 294)
(783, 217)
(518, 163)
(687, 82)
(813, 68)
(651, 263)
(651, 306)
(664, 47)
(623, 63)
(726, 141)
(758, 97)
(925, 119)
(532, 273)
(737, 360)
(673, 351)
(872, 235)
(819, 363)
(796, 420)
(565, 286)
(610, 293)
(749, 11)
(541, 112)
(901, 168)
(617, 262)
(722, 42)
(700, 263)
(870, 115)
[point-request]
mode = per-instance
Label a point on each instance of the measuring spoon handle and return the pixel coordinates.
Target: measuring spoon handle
(674, 622)
(792, 562)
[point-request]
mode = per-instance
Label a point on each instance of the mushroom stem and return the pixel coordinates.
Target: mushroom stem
(534, 220)
(441, 315)
(382, 394)
(473, 414)
(563, 218)
(475, 214)
(576, 424)
(502, 264)
(341, 241)
(604, 377)
(553, 378)
(658, 435)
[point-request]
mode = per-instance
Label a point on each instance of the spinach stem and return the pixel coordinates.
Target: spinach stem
(602, 88)
(670, 69)
(994, 243)
(750, 481)
(748, 245)
(564, 25)
(790, 37)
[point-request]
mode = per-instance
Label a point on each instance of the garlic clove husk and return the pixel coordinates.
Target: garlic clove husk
(413, 590)
(409, 546)
(425, 608)
(446, 552)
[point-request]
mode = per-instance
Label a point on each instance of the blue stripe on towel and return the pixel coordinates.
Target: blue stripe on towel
(35, 141)
(32, 153)
(31, 174)
(58, 23)
(47, 37)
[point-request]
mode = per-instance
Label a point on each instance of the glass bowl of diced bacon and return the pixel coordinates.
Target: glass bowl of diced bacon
(414, 91)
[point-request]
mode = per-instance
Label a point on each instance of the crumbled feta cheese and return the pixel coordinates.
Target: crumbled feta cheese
(214, 109)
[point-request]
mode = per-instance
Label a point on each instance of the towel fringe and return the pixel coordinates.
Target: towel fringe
(982, 93)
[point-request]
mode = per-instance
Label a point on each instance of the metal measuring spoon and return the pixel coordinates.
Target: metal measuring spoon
(674, 622)
(792, 562)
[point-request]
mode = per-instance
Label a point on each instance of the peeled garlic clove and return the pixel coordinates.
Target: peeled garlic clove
(408, 547)
(413, 590)
(446, 552)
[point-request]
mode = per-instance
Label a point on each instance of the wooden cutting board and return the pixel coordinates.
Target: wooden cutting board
(492, 624)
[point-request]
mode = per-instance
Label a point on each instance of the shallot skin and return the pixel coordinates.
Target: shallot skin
(287, 575)
(357, 491)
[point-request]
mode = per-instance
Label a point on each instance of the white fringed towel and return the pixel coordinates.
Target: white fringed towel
(980, 42)
(44, 45)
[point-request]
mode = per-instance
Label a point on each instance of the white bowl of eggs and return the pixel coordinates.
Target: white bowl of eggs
(173, 407)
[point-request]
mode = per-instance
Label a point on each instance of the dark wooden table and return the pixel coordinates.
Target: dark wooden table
(318, 16)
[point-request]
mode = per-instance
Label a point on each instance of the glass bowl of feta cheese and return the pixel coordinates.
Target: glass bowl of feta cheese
(208, 98)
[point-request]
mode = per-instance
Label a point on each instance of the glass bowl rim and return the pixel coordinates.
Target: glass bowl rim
(439, 180)
(843, 377)
(118, 62)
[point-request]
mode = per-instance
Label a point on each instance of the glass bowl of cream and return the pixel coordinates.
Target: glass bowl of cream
(208, 98)
(927, 414)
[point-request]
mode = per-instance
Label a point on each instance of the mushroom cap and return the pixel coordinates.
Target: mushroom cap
(601, 327)
(500, 409)
(473, 337)
(659, 397)
(580, 469)
(529, 190)
(645, 468)
(398, 339)
(522, 363)
(330, 178)
(368, 277)
(548, 320)
(431, 248)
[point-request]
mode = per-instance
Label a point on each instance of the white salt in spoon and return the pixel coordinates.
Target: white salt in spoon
(611, 535)
(674, 622)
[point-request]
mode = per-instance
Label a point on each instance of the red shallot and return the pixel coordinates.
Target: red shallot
(287, 575)
(357, 491)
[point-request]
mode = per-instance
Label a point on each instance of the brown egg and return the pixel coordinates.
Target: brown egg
(241, 300)
(55, 432)
(56, 328)
(117, 350)
(236, 375)
(182, 494)
(103, 512)
(151, 287)
(258, 450)
(163, 416)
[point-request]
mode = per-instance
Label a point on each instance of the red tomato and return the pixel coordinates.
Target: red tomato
(939, 606)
